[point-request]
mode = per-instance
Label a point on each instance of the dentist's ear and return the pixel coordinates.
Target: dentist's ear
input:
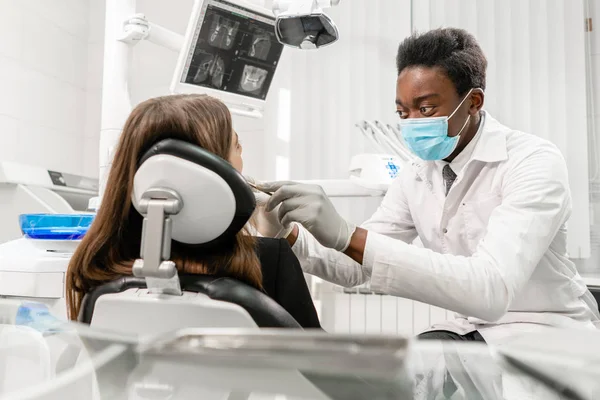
(477, 98)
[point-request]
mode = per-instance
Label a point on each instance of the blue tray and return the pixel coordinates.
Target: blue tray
(55, 226)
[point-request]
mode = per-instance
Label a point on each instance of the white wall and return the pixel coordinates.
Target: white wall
(93, 112)
(153, 66)
(593, 264)
(43, 68)
(595, 51)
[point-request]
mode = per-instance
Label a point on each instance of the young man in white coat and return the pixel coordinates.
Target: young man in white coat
(488, 203)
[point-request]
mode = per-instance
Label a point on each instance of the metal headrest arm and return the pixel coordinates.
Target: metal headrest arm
(161, 276)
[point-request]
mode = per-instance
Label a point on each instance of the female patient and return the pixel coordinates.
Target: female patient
(110, 247)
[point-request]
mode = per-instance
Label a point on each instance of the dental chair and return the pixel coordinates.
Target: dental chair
(194, 197)
(595, 291)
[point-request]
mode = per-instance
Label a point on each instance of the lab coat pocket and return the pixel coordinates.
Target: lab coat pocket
(476, 215)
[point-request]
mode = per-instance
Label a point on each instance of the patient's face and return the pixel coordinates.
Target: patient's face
(235, 154)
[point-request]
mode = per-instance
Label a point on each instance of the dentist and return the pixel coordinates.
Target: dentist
(488, 203)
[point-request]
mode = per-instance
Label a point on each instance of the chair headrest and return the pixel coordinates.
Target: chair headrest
(217, 201)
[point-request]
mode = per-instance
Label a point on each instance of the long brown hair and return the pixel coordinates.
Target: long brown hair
(112, 243)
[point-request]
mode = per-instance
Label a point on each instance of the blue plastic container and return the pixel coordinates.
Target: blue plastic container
(55, 226)
(38, 317)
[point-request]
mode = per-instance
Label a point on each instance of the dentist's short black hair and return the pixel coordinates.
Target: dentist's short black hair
(454, 50)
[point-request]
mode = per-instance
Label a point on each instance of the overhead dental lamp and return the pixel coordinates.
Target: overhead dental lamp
(302, 24)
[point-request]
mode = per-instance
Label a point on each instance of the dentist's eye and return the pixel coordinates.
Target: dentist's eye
(402, 114)
(426, 110)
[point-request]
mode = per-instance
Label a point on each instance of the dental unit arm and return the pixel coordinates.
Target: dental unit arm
(138, 28)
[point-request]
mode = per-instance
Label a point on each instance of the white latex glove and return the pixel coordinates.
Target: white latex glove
(309, 206)
(267, 223)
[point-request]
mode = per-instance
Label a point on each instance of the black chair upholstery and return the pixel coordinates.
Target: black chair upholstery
(263, 310)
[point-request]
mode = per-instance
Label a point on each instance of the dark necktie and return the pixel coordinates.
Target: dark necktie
(449, 177)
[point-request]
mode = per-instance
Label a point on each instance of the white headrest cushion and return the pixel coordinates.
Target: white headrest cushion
(208, 202)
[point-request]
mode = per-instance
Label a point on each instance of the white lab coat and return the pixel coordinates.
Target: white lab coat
(494, 250)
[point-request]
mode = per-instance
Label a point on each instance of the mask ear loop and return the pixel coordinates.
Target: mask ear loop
(461, 103)
(468, 117)
(463, 127)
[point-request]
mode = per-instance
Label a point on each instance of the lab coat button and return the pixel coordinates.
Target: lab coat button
(445, 230)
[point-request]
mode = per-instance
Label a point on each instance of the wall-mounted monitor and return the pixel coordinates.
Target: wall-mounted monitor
(230, 52)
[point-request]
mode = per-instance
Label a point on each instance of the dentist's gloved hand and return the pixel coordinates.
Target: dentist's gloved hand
(267, 223)
(310, 206)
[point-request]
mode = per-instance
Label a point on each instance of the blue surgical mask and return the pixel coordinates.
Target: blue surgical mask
(428, 137)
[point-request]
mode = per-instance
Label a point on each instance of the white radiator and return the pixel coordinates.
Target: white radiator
(358, 310)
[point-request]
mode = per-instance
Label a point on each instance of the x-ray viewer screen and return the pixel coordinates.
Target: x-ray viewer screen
(234, 49)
